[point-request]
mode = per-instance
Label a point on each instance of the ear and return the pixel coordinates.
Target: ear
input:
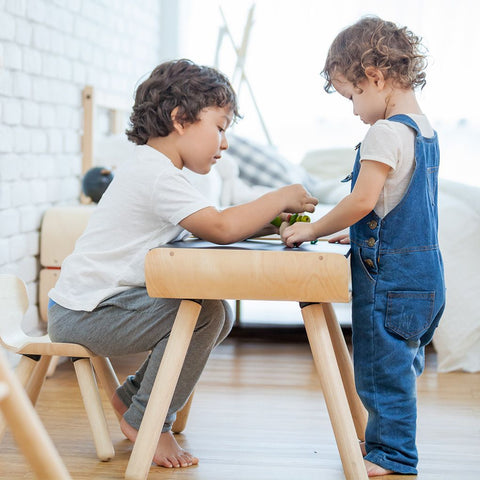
(375, 76)
(177, 126)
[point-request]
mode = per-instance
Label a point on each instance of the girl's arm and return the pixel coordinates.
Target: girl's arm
(239, 222)
(348, 211)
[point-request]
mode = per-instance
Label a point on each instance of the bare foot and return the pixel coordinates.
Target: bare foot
(168, 453)
(374, 470)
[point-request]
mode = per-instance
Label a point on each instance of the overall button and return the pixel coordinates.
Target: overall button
(373, 224)
(369, 263)
(371, 242)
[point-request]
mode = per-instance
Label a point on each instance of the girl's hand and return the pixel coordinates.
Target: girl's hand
(343, 238)
(296, 234)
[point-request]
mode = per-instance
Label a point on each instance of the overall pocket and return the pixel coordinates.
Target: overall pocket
(409, 314)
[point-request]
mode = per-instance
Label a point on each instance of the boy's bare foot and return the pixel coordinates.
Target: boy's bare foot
(168, 453)
(374, 470)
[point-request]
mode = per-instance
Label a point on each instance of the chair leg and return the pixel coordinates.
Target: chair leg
(37, 379)
(107, 376)
(25, 368)
(23, 371)
(27, 429)
(359, 413)
(53, 366)
(93, 407)
(182, 416)
(334, 392)
(162, 391)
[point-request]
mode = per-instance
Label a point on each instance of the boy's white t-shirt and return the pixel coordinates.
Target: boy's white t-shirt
(393, 143)
(140, 210)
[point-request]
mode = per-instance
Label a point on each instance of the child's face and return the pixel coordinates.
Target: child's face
(201, 143)
(369, 101)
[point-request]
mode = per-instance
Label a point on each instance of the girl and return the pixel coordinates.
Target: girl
(397, 270)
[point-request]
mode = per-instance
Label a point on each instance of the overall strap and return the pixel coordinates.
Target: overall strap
(406, 120)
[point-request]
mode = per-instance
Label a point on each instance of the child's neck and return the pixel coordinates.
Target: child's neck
(402, 101)
(166, 146)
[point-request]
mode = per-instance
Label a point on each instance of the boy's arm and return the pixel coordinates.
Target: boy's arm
(242, 221)
(348, 211)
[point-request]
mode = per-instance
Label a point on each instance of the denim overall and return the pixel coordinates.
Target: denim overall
(398, 299)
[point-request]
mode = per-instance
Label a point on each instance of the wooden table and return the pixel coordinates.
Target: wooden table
(314, 275)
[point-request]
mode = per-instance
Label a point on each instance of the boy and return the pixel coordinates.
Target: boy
(180, 117)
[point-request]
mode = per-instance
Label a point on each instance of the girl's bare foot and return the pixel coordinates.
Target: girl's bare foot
(168, 453)
(374, 470)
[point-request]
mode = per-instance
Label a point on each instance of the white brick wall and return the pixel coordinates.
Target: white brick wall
(49, 50)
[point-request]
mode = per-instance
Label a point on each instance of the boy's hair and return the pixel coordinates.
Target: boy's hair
(373, 42)
(182, 84)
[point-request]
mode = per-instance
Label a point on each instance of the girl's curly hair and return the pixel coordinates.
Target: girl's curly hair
(182, 84)
(373, 42)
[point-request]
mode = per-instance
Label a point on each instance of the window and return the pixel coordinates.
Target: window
(287, 47)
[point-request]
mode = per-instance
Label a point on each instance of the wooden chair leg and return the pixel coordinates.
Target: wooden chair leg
(37, 379)
(107, 376)
(182, 416)
(23, 371)
(359, 413)
(53, 366)
(333, 391)
(93, 407)
(25, 368)
(162, 391)
(27, 429)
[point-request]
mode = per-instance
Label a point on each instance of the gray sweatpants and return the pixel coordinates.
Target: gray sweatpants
(133, 322)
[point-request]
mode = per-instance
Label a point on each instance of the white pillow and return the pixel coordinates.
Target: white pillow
(457, 338)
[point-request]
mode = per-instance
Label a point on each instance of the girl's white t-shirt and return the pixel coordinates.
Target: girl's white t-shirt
(393, 143)
(140, 210)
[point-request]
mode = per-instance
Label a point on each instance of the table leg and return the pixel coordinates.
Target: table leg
(162, 391)
(334, 392)
(359, 413)
(182, 416)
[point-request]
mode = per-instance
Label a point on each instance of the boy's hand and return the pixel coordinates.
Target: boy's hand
(298, 233)
(298, 199)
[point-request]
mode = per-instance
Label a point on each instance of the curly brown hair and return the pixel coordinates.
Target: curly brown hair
(373, 42)
(177, 83)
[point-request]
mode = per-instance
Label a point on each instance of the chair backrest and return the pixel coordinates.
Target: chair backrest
(13, 305)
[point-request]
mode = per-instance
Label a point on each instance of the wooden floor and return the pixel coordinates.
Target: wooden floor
(259, 414)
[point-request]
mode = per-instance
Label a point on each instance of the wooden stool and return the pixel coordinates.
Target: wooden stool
(314, 275)
(36, 355)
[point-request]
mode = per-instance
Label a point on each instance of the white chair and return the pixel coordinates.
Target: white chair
(37, 353)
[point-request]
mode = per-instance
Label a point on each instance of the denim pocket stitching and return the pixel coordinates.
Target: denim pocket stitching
(394, 327)
(364, 268)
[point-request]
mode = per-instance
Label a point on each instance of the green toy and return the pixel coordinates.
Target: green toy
(291, 219)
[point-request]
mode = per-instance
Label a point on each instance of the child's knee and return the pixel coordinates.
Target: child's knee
(216, 315)
(229, 315)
